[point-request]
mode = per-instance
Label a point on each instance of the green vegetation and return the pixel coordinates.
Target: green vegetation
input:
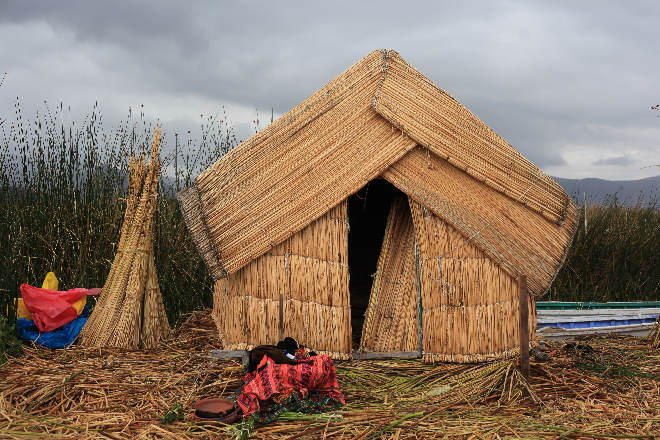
(9, 345)
(617, 370)
(176, 413)
(617, 258)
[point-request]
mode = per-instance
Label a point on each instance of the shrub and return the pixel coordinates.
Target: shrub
(10, 346)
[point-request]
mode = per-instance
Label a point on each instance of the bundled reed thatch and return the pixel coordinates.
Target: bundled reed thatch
(437, 121)
(130, 311)
(328, 147)
(392, 319)
(380, 118)
(519, 240)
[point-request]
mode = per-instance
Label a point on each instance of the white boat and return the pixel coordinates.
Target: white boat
(570, 321)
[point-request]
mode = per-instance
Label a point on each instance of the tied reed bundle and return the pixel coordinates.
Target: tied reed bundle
(130, 312)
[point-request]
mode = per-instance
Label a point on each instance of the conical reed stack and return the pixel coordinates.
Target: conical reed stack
(131, 306)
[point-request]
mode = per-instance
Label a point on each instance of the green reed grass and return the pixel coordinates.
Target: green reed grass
(615, 258)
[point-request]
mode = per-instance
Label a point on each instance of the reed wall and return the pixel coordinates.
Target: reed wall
(470, 305)
(298, 289)
(392, 319)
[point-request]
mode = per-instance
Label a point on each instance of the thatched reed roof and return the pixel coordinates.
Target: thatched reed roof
(351, 131)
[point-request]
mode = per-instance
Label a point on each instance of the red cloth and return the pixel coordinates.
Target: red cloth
(51, 309)
(272, 379)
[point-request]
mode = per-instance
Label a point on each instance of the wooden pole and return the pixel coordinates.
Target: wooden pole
(286, 275)
(524, 326)
(420, 310)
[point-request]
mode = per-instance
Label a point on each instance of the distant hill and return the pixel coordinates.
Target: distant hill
(628, 192)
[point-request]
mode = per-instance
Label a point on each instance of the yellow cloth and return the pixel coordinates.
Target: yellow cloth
(50, 283)
(21, 310)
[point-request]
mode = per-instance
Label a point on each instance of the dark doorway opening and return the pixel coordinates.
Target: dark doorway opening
(367, 217)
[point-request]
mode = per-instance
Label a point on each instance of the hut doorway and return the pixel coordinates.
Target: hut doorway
(368, 211)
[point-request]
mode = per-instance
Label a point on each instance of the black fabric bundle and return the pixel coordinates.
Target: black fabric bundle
(289, 344)
(278, 353)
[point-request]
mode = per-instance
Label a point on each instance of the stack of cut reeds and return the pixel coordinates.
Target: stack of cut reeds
(130, 312)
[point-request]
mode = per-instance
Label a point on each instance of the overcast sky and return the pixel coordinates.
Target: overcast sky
(570, 84)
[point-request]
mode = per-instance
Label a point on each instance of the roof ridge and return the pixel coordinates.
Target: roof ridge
(383, 69)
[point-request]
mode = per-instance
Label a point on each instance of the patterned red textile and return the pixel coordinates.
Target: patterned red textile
(271, 379)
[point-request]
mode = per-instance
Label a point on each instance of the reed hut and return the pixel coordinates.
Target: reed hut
(464, 217)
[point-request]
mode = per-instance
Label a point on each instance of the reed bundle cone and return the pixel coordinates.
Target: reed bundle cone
(130, 312)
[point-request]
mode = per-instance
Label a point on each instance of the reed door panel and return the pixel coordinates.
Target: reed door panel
(392, 319)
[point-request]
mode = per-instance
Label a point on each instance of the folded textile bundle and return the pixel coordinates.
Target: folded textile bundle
(273, 388)
(50, 317)
(51, 309)
(58, 338)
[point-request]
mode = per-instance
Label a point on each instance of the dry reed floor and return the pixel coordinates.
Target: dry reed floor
(610, 392)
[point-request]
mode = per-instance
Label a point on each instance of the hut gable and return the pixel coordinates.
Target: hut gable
(367, 123)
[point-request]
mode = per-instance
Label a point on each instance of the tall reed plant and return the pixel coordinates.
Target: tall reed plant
(62, 185)
(615, 256)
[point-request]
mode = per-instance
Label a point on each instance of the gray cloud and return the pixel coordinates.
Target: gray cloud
(622, 160)
(559, 80)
